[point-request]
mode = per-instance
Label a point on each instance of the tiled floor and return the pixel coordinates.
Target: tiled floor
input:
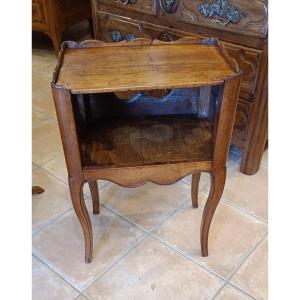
(146, 240)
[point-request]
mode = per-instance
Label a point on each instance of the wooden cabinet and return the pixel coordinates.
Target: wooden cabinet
(242, 26)
(53, 16)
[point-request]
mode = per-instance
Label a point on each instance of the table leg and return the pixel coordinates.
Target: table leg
(195, 188)
(76, 190)
(217, 178)
(95, 197)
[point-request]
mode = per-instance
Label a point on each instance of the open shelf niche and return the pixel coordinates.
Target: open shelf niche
(146, 128)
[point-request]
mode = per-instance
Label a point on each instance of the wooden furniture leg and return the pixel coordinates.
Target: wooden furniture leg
(76, 191)
(257, 135)
(56, 41)
(217, 178)
(37, 190)
(195, 188)
(95, 197)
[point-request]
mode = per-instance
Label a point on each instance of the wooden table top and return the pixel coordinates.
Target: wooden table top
(146, 67)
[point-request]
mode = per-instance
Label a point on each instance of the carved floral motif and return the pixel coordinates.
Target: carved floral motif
(116, 36)
(221, 12)
(169, 6)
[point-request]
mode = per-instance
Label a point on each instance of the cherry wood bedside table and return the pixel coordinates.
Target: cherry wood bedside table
(140, 111)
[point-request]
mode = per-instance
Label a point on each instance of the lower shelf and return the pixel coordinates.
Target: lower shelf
(148, 141)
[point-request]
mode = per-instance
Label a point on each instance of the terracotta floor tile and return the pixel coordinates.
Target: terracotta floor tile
(148, 205)
(43, 57)
(232, 235)
(43, 102)
(46, 142)
(248, 192)
(47, 70)
(50, 204)
(48, 285)
(81, 297)
(153, 271)
(252, 276)
(38, 117)
(231, 293)
(61, 244)
(39, 82)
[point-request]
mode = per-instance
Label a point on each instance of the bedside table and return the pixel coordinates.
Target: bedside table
(140, 111)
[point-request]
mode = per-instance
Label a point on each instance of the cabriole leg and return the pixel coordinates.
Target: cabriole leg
(76, 190)
(195, 188)
(95, 197)
(216, 189)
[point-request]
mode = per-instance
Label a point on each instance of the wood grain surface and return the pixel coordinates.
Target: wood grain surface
(146, 67)
(148, 141)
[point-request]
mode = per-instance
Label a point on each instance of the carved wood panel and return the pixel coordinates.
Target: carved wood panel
(249, 61)
(169, 6)
(37, 12)
(116, 29)
(243, 16)
(144, 6)
(242, 116)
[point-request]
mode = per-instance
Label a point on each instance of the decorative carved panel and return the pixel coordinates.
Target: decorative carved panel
(242, 16)
(144, 6)
(37, 12)
(249, 61)
(115, 29)
(242, 115)
(169, 6)
(221, 11)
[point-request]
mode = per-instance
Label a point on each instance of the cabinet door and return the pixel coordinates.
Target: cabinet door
(242, 16)
(143, 6)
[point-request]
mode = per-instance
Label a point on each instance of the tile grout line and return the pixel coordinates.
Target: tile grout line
(39, 91)
(146, 233)
(241, 290)
(47, 119)
(55, 269)
(59, 275)
(40, 166)
(35, 232)
(202, 266)
(246, 257)
(247, 212)
(86, 296)
(41, 112)
(150, 232)
(238, 267)
(136, 244)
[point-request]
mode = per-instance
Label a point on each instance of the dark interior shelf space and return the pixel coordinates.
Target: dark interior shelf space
(134, 141)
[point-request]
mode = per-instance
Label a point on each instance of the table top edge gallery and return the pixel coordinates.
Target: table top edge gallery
(194, 80)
